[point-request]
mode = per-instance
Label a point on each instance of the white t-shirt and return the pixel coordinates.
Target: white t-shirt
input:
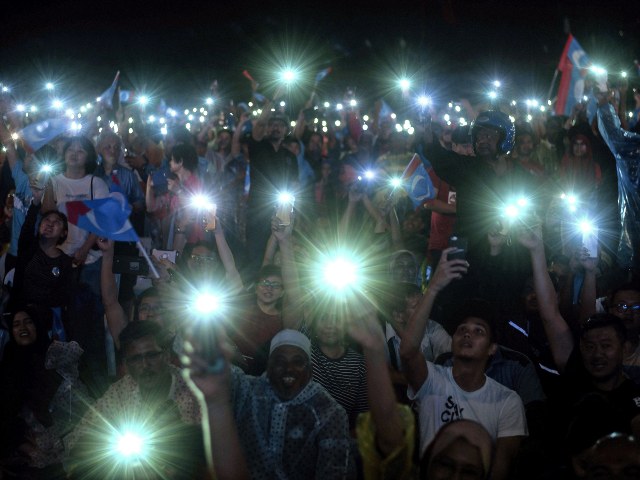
(70, 189)
(435, 341)
(440, 401)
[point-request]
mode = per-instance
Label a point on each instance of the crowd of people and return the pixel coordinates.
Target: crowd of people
(304, 316)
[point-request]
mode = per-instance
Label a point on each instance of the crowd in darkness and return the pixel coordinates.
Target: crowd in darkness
(304, 317)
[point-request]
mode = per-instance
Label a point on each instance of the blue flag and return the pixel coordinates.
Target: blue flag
(322, 74)
(106, 217)
(417, 183)
(574, 64)
(37, 135)
(106, 97)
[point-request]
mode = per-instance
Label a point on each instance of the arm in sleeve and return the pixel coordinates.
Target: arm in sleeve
(335, 455)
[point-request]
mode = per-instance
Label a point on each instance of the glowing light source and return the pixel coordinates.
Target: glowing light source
(49, 86)
(285, 197)
(396, 182)
(143, 100)
(326, 104)
(497, 83)
(339, 106)
(598, 70)
(493, 94)
(46, 168)
(57, 104)
(353, 102)
(340, 273)
(289, 76)
(20, 107)
(585, 226)
(130, 445)
(405, 84)
(209, 101)
(424, 101)
(623, 74)
(206, 303)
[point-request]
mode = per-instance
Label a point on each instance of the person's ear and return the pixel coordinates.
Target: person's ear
(493, 349)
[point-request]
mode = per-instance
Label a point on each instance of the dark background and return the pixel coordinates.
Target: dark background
(175, 49)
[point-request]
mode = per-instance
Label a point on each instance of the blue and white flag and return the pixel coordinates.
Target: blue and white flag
(106, 97)
(106, 217)
(37, 135)
(574, 64)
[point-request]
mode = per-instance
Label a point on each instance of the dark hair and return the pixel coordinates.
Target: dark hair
(631, 286)
(396, 296)
(187, 155)
(478, 308)
(602, 320)
(41, 318)
(92, 156)
(267, 271)
(63, 219)
(137, 330)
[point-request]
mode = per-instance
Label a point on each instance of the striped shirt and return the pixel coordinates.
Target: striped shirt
(344, 378)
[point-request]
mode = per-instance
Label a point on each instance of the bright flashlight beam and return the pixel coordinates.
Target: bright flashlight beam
(404, 83)
(49, 86)
(130, 444)
(209, 101)
(586, 227)
(598, 70)
(340, 273)
(285, 197)
(46, 168)
(424, 101)
(396, 182)
(369, 175)
(143, 100)
(289, 76)
(201, 202)
(497, 83)
(511, 211)
(492, 94)
(206, 303)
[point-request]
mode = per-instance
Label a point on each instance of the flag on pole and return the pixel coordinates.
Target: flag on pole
(37, 135)
(127, 96)
(106, 97)
(574, 64)
(106, 217)
(322, 74)
(416, 181)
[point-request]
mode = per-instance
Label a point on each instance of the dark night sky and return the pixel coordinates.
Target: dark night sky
(175, 49)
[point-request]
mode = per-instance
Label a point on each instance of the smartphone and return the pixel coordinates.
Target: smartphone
(160, 184)
(170, 255)
(460, 245)
(130, 265)
(284, 211)
(590, 242)
(209, 218)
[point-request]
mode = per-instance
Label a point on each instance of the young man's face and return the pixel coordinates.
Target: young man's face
(602, 353)
(289, 371)
(276, 130)
(472, 340)
(270, 289)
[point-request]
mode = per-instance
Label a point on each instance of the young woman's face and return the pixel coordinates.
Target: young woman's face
(52, 227)
(23, 329)
(76, 155)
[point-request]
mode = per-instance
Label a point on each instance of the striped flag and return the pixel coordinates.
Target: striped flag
(106, 97)
(574, 64)
(416, 181)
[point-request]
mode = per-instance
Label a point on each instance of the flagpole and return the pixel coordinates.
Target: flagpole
(146, 257)
(553, 82)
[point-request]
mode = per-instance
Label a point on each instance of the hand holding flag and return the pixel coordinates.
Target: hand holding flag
(416, 181)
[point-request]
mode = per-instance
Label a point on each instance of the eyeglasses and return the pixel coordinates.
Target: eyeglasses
(202, 259)
(268, 284)
(624, 308)
(148, 308)
(137, 360)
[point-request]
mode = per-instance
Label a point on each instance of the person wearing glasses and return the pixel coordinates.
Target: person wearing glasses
(276, 305)
(152, 397)
(624, 303)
